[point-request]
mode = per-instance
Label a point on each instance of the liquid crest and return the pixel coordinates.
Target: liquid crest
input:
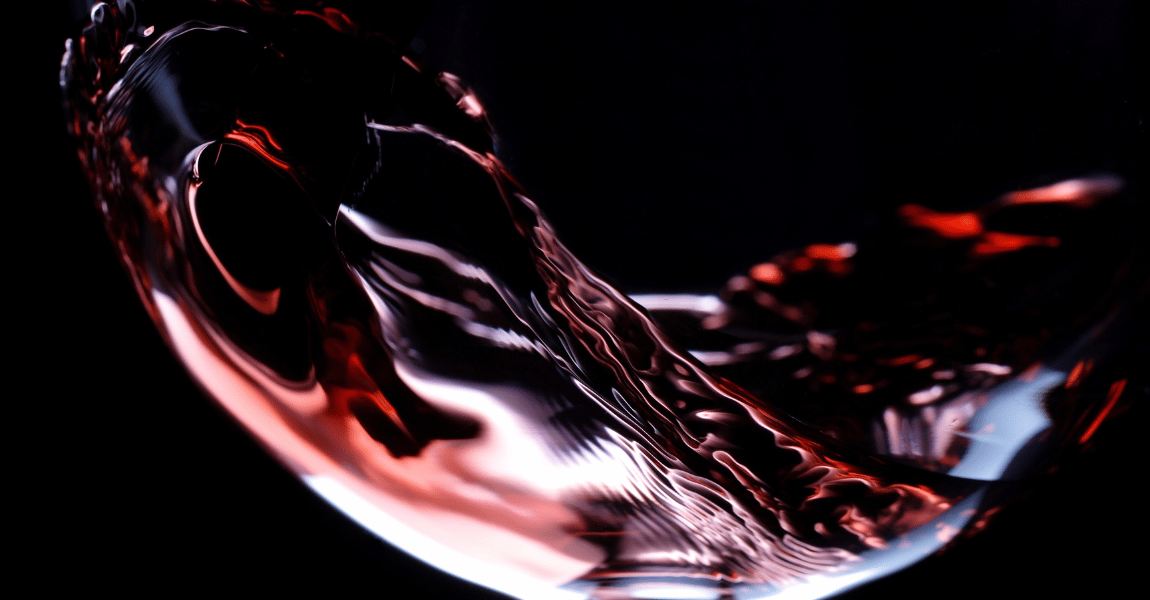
(344, 262)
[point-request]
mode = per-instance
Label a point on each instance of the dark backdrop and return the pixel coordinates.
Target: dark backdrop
(793, 123)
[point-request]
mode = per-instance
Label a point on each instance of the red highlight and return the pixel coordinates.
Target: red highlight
(1112, 396)
(1076, 374)
(826, 252)
(768, 273)
(1081, 193)
(994, 242)
(259, 131)
(334, 18)
(903, 360)
(258, 139)
(948, 225)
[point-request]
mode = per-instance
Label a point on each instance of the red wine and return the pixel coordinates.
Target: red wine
(370, 291)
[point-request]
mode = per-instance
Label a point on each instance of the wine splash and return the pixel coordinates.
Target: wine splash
(368, 289)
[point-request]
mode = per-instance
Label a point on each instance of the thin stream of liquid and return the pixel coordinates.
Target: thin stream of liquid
(373, 295)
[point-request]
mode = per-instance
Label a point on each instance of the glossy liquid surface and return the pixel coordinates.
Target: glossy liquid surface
(378, 300)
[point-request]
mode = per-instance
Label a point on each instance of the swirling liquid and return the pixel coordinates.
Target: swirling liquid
(348, 266)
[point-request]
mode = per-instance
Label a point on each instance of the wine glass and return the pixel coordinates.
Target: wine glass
(602, 150)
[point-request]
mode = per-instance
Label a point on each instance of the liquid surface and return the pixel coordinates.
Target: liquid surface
(375, 297)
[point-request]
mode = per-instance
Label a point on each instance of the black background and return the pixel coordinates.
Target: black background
(128, 480)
